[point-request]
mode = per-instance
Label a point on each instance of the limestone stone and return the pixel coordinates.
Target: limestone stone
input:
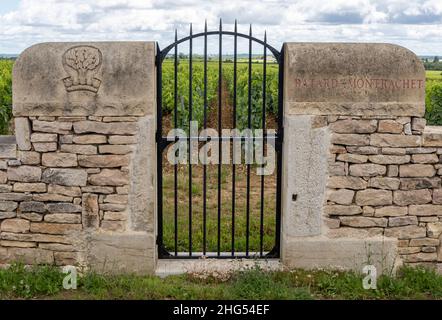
(322, 79)
(420, 183)
(63, 207)
(30, 256)
(103, 161)
(17, 244)
(407, 129)
(59, 159)
(418, 124)
(367, 170)
(354, 126)
(51, 197)
(116, 149)
(65, 258)
(7, 215)
(420, 257)
(24, 174)
(123, 190)
(394, 151)
(15, 196)
(420, 150)
(424, 242)
(15, 225)
(434, 230)
(105, 128)
(112, 207)
(89, 139)
(3, 177)
(52, 126)
(121, 216)
(363, 150)
(429, 249)
(389, 159)
(392, 170)
(22, 133)
(340, 196)
(8, 149)
(363, 222)
(425, 158)
(57, 247)
(391, 211)
(34, 237)
(79, 149)
(44, 146)
(384, 183)
(411, 197)
(352, 158)
(337, 168)
(32, 206)
(426, 210)
(119, 119)
(64, 190)
(31, 216)
(122, 139)
(417, 170)
(374, 197)
(390, 126)
(66, 138)
(65, 177)
(54, 228)
(428, 219)
(394, 140)
(346, 182)
(29, 187)
(122, 199)
(109, 177)
(97, 189)
(336, 149)
(29, 157)
(8, 205)
(402, 221)
(44, 137)
(125, 78)
(116, 226)
(63, 218)
(367, 211)
(409, 250)
(350, 139)
(432, 136)
(406, 232)
(90, 211)
(437, 196)
(342, 210)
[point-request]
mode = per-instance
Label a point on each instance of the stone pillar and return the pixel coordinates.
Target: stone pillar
(81, 188)
(361, 184)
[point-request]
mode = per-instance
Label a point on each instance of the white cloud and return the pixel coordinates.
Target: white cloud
(414, 24)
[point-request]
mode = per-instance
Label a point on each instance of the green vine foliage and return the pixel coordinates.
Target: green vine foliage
(433, 102)
(5, 95)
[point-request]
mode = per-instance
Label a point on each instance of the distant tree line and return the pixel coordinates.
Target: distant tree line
(433, 64)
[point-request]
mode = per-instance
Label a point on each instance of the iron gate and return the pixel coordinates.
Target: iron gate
(184, 231)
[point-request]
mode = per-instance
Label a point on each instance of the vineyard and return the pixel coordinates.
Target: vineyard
(5, 95)
(212, 92)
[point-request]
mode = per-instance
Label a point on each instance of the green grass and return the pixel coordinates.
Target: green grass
(45, 282)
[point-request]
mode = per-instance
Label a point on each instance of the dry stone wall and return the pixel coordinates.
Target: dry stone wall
(77, 184)
(365, 168)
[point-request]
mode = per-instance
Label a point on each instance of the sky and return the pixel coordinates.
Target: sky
(414, 24)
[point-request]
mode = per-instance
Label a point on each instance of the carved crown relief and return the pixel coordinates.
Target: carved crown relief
(82, 64)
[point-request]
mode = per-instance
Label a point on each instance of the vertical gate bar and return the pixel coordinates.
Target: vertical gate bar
(220, 71)
(190, 143)
(159, 153)
(249, 125)
(175, 110)
(264, 88)
(235, 53)
(280, 138)
(205, 126)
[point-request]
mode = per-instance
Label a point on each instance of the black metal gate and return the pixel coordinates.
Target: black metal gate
(224, 219)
